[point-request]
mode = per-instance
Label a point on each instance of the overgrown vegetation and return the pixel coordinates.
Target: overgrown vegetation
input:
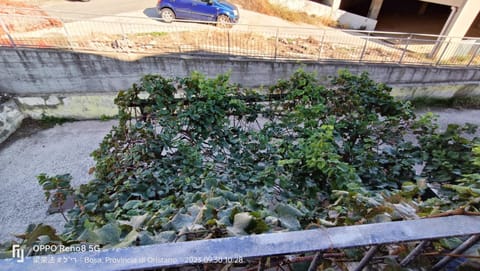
(203, 158)
(456, 102)
(265, 7)
(50, 121)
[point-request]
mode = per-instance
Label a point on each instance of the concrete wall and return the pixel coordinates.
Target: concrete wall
(83, 86)
(436, 91)
(347, 19)
(40, 72)
(76, 106)
(10, 118)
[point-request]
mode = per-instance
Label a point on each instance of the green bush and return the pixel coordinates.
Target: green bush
(197, 158)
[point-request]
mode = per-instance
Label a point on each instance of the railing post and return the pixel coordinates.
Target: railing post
(315, 262)
(459, 250)
(228, 41)
(443, 52)
(370, 253)
(321, 44)
(405, 49)
(261, 265)
(124, 38)
(67, 34)
(413, 254)
(474, 55)
(364, 48)
(276, 45)
(4, 27)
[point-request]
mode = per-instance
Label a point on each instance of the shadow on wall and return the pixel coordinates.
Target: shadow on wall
(354, 21)
(319, 8)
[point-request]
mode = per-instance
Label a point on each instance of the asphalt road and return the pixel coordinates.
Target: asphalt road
(78, 10)
(95, 8)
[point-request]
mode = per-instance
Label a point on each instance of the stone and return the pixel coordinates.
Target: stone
(10, 119)
(53, 100)
(31, 101)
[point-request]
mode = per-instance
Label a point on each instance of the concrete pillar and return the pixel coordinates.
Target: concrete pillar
(336, 5)
(461, 20)
(327, 2)
(374, 9)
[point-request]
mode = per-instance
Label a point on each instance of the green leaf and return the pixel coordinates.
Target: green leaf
(132, 204)
(165, 237)
(451, 243)
(290, 222)
(180, 221)
(287, 210)
(135, 222)
(89, 236)
(130, 239)
(108, 234)
(37, 232)
(216, 202)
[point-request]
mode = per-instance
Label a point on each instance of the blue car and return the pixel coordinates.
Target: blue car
(218, 11)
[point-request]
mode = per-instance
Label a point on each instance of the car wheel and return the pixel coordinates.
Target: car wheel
(223, 21)
(167, 15)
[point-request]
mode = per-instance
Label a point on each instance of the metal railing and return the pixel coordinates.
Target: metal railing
(310, 246)
(138, 35)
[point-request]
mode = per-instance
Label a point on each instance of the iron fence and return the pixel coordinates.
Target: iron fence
(150, 36)
(276, 251)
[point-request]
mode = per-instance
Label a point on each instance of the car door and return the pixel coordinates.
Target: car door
(182, 8)
(202, 10)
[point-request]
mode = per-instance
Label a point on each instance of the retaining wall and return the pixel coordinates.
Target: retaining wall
(83, 86)
(36, 72)
(10, 118)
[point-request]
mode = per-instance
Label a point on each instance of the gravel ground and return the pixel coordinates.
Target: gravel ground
(66, 149)
(58, 150)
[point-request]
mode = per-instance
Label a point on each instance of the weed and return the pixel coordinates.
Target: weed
(457, 102)
(152, 34)
(107, 118)
(52, 120)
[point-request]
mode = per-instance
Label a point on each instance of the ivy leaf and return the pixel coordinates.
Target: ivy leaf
(216, 202)
(128, 240)
(108, 234)
(37, 232)
(132, 204)
(89, 236)
(290, 222)
(180, 221)
(450, 243)
(165, 237)
(287, 210)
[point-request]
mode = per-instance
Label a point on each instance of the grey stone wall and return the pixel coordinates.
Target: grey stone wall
(10, 118)
(83, 86)
(28, 72)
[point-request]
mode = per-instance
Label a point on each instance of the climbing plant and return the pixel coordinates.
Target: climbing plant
(195, 158)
